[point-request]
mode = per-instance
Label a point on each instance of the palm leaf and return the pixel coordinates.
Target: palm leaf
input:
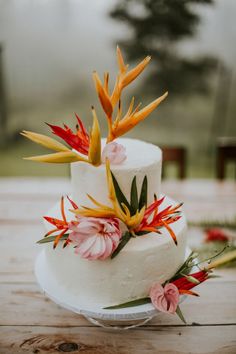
(181, 316)
(143, 194)
(137, 302)
(119, 194)
(134, 203)
(124, 240)
(52, 239)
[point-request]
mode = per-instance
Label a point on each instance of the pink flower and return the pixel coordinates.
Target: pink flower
(114, 152)
(95, 238)
(165, 299)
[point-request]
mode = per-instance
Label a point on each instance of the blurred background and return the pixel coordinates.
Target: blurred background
(49, 49)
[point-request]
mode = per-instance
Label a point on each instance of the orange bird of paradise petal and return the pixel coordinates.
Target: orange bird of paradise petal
(61, 225)
(159, 219)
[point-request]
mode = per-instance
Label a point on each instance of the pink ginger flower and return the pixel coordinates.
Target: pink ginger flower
(165, 299)
(114, 152)
(95, 238)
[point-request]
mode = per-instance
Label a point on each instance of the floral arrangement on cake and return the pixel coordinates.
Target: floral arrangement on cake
(102, 231)
(89, 224)
(86, 147)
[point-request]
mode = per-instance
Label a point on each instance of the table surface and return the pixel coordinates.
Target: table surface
(31, 323)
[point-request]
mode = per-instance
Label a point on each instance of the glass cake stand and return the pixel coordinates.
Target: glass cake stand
(114, 319)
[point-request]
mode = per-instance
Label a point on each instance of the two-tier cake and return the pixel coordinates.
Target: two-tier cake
(116, 241)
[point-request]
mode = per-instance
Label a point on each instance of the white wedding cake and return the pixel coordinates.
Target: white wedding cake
(116, 235)
(144, 260)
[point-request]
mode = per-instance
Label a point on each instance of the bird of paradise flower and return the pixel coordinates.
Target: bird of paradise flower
(86, 147)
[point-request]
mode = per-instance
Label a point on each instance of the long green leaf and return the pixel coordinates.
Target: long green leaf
(134, 203)
(143, 194)
(181, 316)
(119, 194)
(137, 302)
(124, 240)
(52, 238)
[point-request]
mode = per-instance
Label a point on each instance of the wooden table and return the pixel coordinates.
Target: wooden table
(30, 323)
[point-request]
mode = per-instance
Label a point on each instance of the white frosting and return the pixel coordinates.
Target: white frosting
(142, 159)
(143, 261)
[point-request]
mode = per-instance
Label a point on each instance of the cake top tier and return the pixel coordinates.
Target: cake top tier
(142, 160)
(138, 154)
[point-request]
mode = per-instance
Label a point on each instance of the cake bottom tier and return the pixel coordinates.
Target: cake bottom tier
(143, 261)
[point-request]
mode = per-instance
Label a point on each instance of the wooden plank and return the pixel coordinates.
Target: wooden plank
(24, 304)
(18, 251)
(197, 188)
(23, 186)
(194, 340)
(200, 188)
(26, 211)
(28, 199)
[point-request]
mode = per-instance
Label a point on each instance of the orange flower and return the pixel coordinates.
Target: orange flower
(121, 125)
(79, 141)
(159, 219)
(62, 225)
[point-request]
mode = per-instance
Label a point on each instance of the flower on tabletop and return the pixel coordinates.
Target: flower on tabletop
(114, 152)
(216, 234)
(61, 225)
(165, 298)
(95, 238)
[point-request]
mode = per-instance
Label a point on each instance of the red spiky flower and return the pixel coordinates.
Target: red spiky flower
(153, 220)
(216, 234)
(185, 283)
(62, 225)
(78, 141)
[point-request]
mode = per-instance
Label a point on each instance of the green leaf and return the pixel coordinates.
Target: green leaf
(143, 194)
(124, 240)
(181, 316)
(119, 194)
(137, 302)
(134, 203)
(52, 238)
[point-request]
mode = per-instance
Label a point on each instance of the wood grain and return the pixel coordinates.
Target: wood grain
(89, 340)
(31, 323)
